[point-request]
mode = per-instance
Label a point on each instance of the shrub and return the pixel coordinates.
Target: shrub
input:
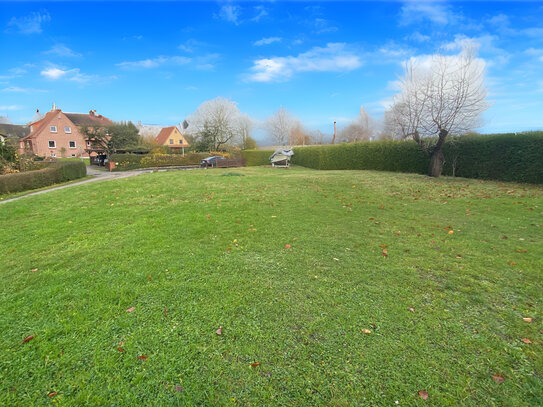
(505, 157)
(257, 157)
(52, 174)
(132, 161)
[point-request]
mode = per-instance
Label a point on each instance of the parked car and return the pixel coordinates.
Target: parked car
(211, 161)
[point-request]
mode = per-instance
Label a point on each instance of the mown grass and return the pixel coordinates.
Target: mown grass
(194, 250)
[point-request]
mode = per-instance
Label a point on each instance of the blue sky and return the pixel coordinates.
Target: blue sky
(156, 62)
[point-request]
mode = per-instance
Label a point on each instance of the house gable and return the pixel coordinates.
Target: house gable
(171, 137)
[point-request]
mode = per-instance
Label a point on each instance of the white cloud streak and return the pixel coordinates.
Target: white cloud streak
(335, 57)
(267, 41)
(62, 51)
(31, 24)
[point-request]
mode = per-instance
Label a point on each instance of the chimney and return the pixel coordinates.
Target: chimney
(334, 138)
(38, 111)
(91, 113)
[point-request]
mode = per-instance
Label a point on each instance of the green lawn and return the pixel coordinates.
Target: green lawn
(191, 251)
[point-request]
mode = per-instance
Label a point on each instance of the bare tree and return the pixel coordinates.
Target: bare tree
(441, 96)
(281, 125)
(217, 123)
(360, 129)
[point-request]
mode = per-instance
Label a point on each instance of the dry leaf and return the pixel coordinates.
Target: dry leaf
(142, 357)
(527, 319)
(52, 394)
(33, 270)
(385, 253)
(255, 364)
(498, 378)
(149, 277)
(423, 394)
(451, 232)
(208, 216)
(526, 340)
(411, 309)
(130, 309)
(165, 312)
(287, 246)
(28, 338)
(383, 245)
(120, 349)
(219, 331)
(178, 389)
(366, 331)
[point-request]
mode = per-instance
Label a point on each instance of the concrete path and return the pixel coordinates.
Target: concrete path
(97, 174)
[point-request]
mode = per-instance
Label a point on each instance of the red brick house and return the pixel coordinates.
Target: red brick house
(57, 134)
(172, 137)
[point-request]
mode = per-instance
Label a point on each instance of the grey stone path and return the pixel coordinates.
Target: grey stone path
(98, 175)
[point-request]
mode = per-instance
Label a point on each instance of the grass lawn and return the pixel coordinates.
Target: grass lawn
(295, 265)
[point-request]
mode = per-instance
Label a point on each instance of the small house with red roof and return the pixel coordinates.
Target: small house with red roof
(172, 138)
(57, 134)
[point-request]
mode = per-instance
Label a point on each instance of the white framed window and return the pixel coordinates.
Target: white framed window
(67, 129)
(88, 143)
(52, 144)
(73, 155)
(53, 129)
(71, 144)
(171, 141)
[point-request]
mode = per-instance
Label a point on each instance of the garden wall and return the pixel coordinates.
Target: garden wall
(53, 174)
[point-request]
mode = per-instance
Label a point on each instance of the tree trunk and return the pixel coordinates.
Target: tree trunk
(436, 163)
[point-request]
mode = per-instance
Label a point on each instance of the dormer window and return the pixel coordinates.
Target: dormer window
(67, 129)
(53, 129)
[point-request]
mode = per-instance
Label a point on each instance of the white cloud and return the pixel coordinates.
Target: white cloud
(62, 50)
(31, 24)
(17, 89)
(418, 11)
(230, 13)
(10, 107)
(418, 37)
(261, 12)
(335, 57)
(324, 26)
(267, 41)
(190, 45)
(73, 75)
(155, 62)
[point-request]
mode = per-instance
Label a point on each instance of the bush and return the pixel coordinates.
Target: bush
(52, 174)
(505, 157)
(132, 161)
(257, 157)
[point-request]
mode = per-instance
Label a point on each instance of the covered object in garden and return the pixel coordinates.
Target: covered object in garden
(281, 158)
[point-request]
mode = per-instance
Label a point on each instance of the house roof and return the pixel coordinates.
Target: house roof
(14, 130)
(164, 134)
(90, 119)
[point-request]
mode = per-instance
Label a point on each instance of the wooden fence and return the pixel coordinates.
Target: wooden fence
(231, 162)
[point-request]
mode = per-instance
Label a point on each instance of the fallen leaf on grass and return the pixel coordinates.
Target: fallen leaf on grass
(120, 349)
(149, 277)
(33, 270)
(423, 394)
(52, 394)
(458, 256)
(130, 309)
(165, 312)
(411, 309)
(178, 389)
(255, 364)
(142, 357)
(526, 340)
(385, 253)
(28, 338)
(498, 378)
(208, 216)
(527, 319)
(504, 237)
(287, 246)
(219, 331)
(383, 245)
(366, 331)
(451, 232)
(521, 250)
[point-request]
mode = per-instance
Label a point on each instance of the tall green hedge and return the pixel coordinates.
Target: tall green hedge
(256, 157)
(132, 161)
(52, 174)
(506, 157)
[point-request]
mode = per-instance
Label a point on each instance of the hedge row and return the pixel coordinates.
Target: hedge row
(132, 161)
(505, 157)
(52, 174)
(256, 157)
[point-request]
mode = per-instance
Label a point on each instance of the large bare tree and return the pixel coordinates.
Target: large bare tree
(217, 123)
(440, 95)
(360, 129)
(281, 125)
